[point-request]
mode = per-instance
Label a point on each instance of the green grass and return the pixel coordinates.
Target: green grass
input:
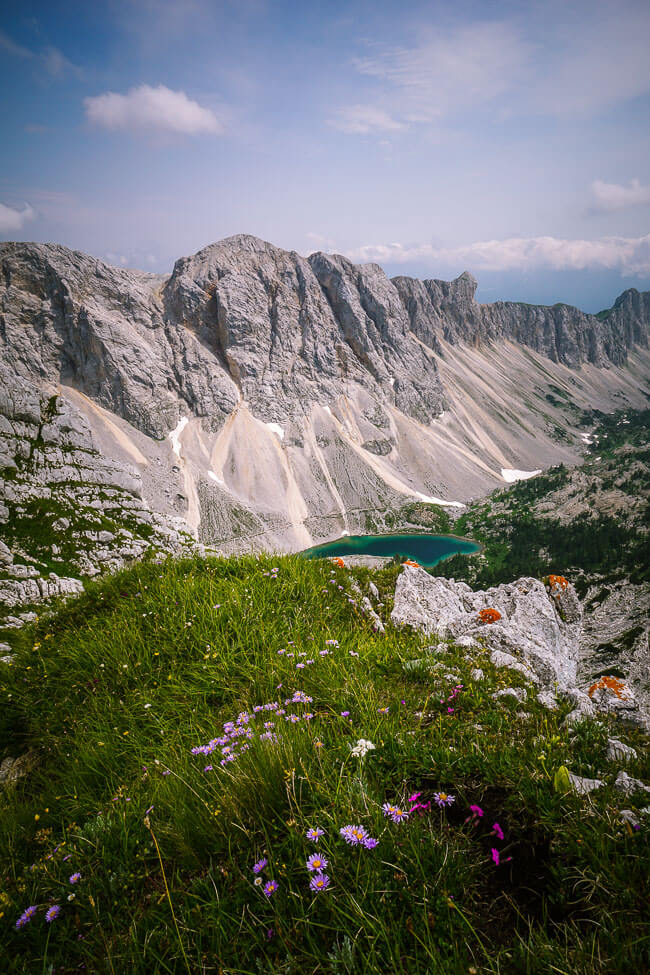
(109, 696)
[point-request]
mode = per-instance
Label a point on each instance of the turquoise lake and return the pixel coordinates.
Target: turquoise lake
(428, 550)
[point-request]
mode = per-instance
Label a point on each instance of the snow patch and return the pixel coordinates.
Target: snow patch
(175, 435)
(445, 504)
(345, 532)
(392, 380)
(216, 478)
(512, 476)
(277, 429)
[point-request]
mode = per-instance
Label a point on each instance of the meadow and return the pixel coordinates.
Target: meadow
(231, 771)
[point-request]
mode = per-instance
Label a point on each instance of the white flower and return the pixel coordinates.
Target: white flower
(361, 748)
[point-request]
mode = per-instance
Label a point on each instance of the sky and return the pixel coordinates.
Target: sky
(510, 139)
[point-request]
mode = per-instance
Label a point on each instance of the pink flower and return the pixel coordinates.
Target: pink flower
(496, 829)
(476, 811)
(495, 856)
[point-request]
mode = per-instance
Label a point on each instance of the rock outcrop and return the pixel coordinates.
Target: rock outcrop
(526, 626)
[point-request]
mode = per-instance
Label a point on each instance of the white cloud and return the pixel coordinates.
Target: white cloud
(55, 64)
(12, 219)
(445, 72)
(363, 120)
(614, 196)
(469, 65)
(628, 255)
(147, 108)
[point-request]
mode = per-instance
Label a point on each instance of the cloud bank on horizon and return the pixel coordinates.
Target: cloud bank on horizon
(511, 142)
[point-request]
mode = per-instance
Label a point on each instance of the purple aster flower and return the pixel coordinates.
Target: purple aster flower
(75, 878)
(300, 666)
(259, 866)
(496, 829)
(396, 813)
(208, 768)
(383, 710)
(26, 916)
(319, 882)
(270, 887)
(354, 835)
(317, 863)
(370, 843)
(345, 714)
(443, 799)
(52, 913)
(315, 834)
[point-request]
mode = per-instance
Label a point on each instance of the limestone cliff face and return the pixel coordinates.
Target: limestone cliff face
(272, 400)
(290, 331)
(447, 309)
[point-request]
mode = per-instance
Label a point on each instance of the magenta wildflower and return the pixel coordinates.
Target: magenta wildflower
(496, 829)
(52, 913)
(495, 856)
(315, 834)
(319, 882)
(443, 799)
(259, 866)
(354, 835)
(270, 887)
(317, 863)
(476, 811)
(75, 878)
(26, 916)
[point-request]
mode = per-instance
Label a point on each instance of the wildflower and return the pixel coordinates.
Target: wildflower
(208, 768)
(397, 814)
(495, 856)
(26, 916)
(319, 882)
(300, 666)
(292, 718)
(318, 744)
(353, 653)
(75, 878)
(52, 913)
(345, 714)
(323, 653)
(443, 799)
(496, 829)
(314, 834)
(476, 811)
(370, 843)
(316, 862)
(450, 710)
(270, 887)
(383, 710)
(354, 835)
(259, 866)
(362, 747)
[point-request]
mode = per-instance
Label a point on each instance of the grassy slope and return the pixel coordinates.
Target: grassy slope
(111, 695)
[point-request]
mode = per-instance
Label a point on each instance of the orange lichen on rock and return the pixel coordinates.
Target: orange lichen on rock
(614, 684)
(411, 562)
(339, 562)
(558, 582)
(489, 615)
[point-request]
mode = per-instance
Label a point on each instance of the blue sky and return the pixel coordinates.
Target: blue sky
(511, 139)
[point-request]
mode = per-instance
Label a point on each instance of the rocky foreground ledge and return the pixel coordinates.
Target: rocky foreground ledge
(529, 626)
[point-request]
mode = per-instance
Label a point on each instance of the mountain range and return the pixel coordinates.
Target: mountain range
(259, 399)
